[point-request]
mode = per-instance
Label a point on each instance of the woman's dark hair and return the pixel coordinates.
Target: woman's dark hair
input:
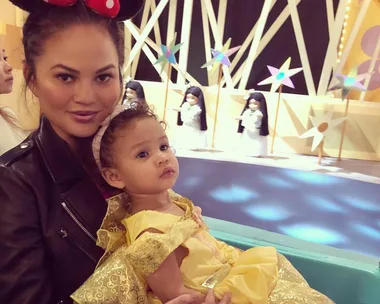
(264, 129)
(119, 122)
(49, 20)
(197, 92)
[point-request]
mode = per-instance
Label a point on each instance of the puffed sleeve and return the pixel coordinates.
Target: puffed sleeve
(24, 271)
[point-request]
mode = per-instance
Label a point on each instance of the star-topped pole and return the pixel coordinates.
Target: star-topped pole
(322, 128)
(168, 58)
(350, 82)
(347, 83)
(220, 58)
(279, 78)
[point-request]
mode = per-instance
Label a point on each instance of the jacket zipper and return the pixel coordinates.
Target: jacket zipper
(65, 235)
(75, 219)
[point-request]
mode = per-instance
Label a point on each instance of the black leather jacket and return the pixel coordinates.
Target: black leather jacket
(50, 211)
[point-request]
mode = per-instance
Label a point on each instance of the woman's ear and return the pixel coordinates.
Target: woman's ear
(31, 81)
(112, 177)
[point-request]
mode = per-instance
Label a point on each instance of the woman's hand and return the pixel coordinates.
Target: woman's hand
(200, 299)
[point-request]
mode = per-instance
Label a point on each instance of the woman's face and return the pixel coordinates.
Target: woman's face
(77, 80)
(6, 77)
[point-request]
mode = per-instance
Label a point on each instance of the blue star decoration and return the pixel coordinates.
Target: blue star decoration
(349, 82)
(221, 56)
(168, 53)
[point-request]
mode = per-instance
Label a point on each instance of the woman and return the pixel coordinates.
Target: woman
(11, 133)
(51, 201)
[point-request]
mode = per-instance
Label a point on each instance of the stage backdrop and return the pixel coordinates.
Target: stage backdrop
(362, 140)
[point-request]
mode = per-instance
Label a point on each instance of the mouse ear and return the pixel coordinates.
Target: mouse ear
(129, 8)
(28, 5)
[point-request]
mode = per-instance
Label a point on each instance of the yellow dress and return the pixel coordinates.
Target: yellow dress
(259, 275)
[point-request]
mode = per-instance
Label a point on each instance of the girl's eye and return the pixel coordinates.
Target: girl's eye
(65, 77)
(104, 78)
(164, 147)
(142, 154)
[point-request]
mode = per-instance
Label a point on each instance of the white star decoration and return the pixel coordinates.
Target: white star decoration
(280, 76)
(323, 126)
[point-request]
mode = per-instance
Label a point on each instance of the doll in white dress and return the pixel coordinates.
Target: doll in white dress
(253, 125)
(134, 93)
(192, 118)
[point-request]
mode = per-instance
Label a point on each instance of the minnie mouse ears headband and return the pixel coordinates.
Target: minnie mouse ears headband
(119, 9)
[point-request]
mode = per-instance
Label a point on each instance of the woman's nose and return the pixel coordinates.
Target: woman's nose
(84, 93)
(8, 67)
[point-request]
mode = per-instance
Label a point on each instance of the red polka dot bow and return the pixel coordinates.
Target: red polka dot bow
(107, 8)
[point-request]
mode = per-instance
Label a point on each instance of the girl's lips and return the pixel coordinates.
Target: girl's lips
(168, 172)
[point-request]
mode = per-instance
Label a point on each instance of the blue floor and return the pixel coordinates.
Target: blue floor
(329, 210)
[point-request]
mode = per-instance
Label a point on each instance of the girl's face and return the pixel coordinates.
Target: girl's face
(131, 94)
(6, 77)
(77, 80)
(191, 99)
(254, 104)
(143, 162)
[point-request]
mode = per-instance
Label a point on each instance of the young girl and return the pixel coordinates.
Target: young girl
(152, 235)
(253, 125)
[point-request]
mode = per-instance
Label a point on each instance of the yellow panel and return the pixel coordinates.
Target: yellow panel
(357, 56)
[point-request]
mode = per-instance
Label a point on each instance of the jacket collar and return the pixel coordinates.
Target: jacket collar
(60, 161)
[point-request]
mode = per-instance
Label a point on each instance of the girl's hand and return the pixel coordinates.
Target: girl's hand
(210, 299)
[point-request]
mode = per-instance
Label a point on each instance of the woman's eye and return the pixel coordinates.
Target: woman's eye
(164, 147)
(104, 78)
(65, 77)
(142, 154)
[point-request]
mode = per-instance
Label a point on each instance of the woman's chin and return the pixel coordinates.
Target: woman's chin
(84, 132)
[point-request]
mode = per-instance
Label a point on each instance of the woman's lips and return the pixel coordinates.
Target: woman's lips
(84, 116)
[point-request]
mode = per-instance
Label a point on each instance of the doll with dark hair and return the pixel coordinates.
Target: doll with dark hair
(253, 125)
(192, 118)
(134, 92)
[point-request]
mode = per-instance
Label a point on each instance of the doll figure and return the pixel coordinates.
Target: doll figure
(192, 118)
(134, 92)
(254, 125)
